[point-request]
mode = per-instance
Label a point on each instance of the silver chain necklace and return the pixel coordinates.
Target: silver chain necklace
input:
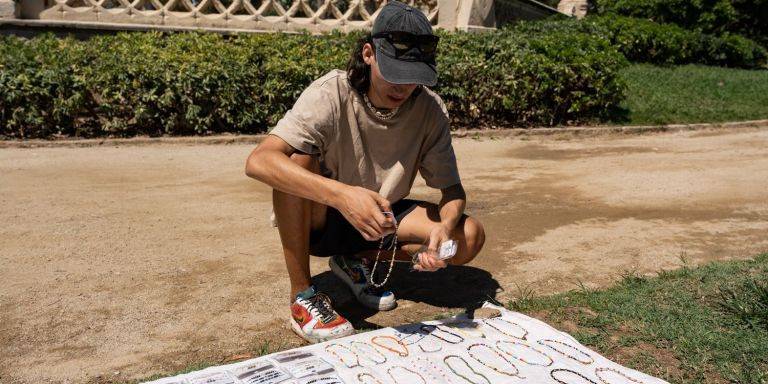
(380, 115)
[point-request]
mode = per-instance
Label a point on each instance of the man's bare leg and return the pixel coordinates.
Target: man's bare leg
(295, 218)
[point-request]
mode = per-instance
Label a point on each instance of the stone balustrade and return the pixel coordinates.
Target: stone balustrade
(236, 15)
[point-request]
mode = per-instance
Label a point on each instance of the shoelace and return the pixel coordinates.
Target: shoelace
(319, 305)
(370, 289)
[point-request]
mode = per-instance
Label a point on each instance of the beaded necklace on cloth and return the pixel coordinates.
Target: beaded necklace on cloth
(599, 371)
(487, 364)
(455, 372)
(393, 248)
(548, 343)
(552, 375)
(381, 115)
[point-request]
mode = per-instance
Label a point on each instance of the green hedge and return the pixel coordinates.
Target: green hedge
(743, 17)
(645, 41)
(195, 83)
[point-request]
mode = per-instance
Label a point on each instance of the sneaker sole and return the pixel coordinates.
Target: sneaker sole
(339, 272)
(314, 340)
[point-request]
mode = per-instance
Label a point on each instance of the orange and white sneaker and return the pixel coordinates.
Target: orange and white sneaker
(314, 320)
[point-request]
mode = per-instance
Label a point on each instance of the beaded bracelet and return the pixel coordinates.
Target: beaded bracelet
(497, 369)
(367, 355)
(435, 328)
(445, 360)
(393, 248)
(552, 374)
(422, 337)
(498, 345)
(389, 372)
(489, 323)
(403, 353)
(590, 361)
(361, 375)
(431, 366)
(357, 358)
(622, 374)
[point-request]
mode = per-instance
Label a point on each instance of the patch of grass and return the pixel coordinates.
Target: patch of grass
(694, 325)
(693, 94)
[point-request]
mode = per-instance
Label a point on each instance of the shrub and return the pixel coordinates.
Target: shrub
(645, 41)
(195, 83)
(744, 17)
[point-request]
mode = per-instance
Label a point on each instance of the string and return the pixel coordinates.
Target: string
(622, 374)
(498, 345)
(489, 323)
(390, 369)
(585, 362)
(369, 348)
(357, 358)
(445, 360)
(497, 369)
(393, 247)
(401, 353)
(434, 328)
(552, 374)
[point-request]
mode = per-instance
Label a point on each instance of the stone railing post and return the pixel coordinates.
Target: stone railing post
(9, 9)
(466, 15)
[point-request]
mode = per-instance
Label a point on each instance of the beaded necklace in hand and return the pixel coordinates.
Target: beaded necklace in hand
(393, 247)
(546, 343)
(552, 374)
(616, 371)
(498, 345)
(495, 368)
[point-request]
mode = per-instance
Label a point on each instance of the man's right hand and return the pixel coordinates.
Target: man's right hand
(363, 209)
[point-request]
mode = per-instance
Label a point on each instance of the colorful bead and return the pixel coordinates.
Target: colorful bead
(445, 360)
(390, 369)
(402, 353)
(500, 342)
(494, 350)
(489, 322)
(552, 374)
(622, 374)
(585, 362)
(368, 348)
(341, 359)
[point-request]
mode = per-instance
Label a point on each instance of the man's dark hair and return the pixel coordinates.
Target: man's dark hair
(358, 72)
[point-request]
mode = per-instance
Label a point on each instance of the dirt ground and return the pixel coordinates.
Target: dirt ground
(120, 262)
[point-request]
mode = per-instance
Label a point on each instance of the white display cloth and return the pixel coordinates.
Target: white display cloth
(512, 348)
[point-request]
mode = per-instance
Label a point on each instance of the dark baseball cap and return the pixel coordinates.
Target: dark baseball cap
(405, 45)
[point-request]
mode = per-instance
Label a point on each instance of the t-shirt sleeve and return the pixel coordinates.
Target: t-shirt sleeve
(438, 166)
(308, 126)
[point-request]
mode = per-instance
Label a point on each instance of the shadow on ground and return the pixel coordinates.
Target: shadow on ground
(454, 287)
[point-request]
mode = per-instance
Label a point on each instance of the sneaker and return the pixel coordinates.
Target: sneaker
(313, 318)
(356, 274)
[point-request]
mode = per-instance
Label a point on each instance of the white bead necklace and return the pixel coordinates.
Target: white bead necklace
(380, 115)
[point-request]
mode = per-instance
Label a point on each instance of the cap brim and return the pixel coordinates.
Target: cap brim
(405, 72)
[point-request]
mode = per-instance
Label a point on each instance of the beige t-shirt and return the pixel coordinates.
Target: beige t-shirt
(357, 148)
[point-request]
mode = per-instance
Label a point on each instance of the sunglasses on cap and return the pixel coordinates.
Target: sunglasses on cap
(404, 41)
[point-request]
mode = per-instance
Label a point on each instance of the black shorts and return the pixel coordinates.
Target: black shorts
(339, 237)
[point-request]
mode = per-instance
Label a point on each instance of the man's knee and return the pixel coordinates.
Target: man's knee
(474, 239)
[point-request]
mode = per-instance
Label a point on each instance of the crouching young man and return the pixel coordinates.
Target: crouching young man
(342, 161)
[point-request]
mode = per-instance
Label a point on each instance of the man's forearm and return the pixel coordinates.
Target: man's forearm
(452, 205)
